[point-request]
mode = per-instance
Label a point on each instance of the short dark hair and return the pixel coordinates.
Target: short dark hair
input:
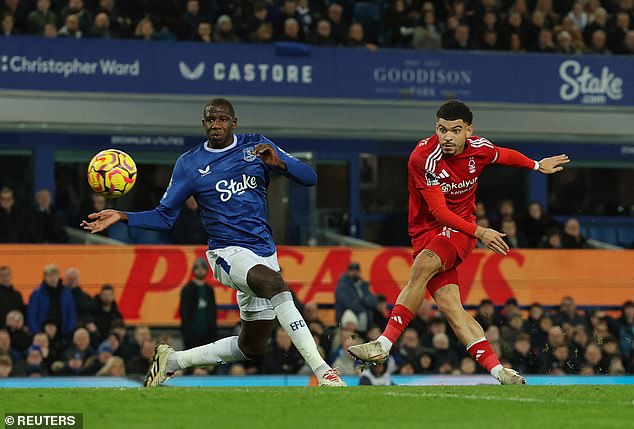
(453, 110)
(221, 102)
(107, 286)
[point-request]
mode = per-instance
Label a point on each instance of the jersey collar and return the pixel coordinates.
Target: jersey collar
(224, 149)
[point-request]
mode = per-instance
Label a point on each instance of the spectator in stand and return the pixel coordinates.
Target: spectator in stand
(485, 315)
(52, 301)
(97, 201)
(376, 375)
(381, 312)
(522, 356)
(96, 362)
(263, 35)
(282, 356)
(396, 22)
(129, 349)
(409, 348)
(535, 224)
(568, 313)
(20, 335)
(593, 361)
(34, 362)
(580, 340)
(105, 310)
(461, 39)
(204, 33)
(56, 343)
(224, 30)
(6, 349)
(101, 29)
(598, 43)
(509, 310)
(514, 238)
(553, 239)
(510, 332)
(426, 33)
(198, 308)
(77, 8)
(140, 363)
(422, 319)
(83, 301)
(145, 30)
(344, 361)
(114, 367)
(337, 23)
(572, 238)
(558, 362)
(292, 31)
(535, 313)
(323, 34)
(354, 293)
(47, 226)
(6, 366)
(616, 36)
(578, 15)
(598, 21)
(189, 21)
(551, 18)
(10, 299)
(545, 42)
(7, 25)
(15, 225)
(288, 9)
(259, 16)
(445, 356)
(41, 16)
(625, 325)
(50, 30)
(71, 28)
(565, 44)
(356, 37)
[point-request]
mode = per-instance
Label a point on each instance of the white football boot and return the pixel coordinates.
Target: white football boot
(157, 374)
(510, 376)
(371, 352)
(331, 378)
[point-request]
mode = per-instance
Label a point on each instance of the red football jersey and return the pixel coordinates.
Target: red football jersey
(456, 175)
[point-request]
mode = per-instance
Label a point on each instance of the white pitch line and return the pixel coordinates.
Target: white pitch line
(497, 398)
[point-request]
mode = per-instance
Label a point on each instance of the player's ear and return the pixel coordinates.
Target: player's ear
(235, 122)
(469, 130)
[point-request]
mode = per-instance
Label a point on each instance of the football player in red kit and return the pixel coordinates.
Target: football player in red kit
(443, 173)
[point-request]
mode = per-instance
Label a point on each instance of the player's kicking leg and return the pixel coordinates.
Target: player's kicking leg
(426, 265)
(471, 334)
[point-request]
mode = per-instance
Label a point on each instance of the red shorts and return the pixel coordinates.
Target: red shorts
(451, 246)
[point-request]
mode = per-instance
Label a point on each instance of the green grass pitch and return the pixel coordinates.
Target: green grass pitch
(446, 407)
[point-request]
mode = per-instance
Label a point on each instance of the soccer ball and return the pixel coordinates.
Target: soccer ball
(112, 173)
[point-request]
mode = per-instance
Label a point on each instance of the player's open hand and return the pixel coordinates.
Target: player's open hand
(493, 240)
(102, 220)
(266, 153)
(553, 164)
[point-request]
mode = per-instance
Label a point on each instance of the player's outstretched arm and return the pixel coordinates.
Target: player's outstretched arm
(553, 164)
(103, 220)
(286, 164)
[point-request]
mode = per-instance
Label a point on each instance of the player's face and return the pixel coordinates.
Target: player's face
(452, 135)
(219, 125)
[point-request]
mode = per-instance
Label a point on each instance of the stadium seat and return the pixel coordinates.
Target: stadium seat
(607, 234)
(625, 236)
(368, 15)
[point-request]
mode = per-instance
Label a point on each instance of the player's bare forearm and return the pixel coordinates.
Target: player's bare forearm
(103, 220)
(492, 239)
(553, 164)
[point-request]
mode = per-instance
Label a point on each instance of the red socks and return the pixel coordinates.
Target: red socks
(483, 354)
(399, 319)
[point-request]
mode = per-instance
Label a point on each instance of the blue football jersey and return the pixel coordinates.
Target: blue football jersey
(230, 187)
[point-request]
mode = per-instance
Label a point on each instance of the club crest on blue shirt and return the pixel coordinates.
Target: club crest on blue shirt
(248, 154)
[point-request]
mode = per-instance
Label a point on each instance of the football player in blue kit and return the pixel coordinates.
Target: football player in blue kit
(228, 175)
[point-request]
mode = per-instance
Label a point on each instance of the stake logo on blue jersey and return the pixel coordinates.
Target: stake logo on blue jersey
(230, 186)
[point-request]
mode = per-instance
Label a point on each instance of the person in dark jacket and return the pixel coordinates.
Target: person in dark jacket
(354, 293)
(198, 308)
(10, 299)
(105, 310)
(15, 225)
(83, 301)
(52, 301)
(47, 225)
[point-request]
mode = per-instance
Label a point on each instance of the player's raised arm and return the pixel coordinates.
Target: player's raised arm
(513, 158)
(286, 164)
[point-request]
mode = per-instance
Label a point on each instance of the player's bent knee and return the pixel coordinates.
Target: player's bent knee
(426, 264)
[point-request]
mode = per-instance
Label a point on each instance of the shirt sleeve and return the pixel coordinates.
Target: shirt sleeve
(513, 158)
(296, 170)
(165, 214)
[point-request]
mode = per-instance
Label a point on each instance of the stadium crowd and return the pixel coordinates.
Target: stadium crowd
(40, 223)
(64, 331)
(564, 26)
